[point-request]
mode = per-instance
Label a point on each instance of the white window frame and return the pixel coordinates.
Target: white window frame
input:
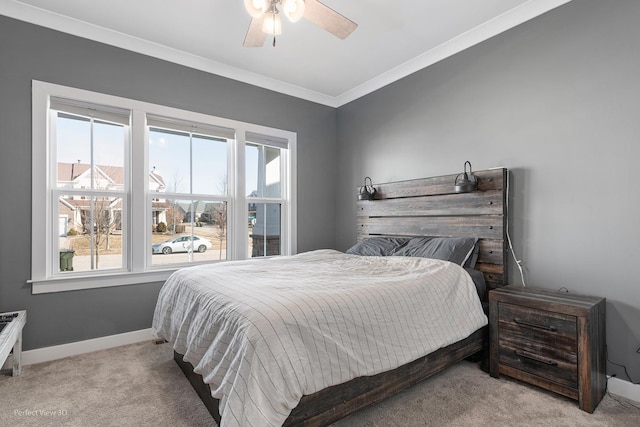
(137, 268)
(266, 141)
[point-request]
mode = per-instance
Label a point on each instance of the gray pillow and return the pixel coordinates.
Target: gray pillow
(378, 246)
(473, 258)
(454, 249)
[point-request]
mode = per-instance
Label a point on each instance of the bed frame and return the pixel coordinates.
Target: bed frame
(420, 207)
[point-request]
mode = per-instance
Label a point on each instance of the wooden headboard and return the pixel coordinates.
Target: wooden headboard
(430, 207)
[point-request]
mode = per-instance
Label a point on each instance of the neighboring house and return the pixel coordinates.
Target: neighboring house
(159, 206)
(192, 211)
(74, 210)
(199, 210)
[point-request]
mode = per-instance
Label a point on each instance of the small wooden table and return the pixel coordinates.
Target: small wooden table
(11, 338)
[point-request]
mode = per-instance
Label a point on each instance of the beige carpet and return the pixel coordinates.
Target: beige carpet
(140, 385)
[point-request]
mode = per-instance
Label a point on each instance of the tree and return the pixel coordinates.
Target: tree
(220, 215)
(174, 214)
(102, 220)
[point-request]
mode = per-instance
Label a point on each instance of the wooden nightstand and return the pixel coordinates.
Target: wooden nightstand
(555, 340)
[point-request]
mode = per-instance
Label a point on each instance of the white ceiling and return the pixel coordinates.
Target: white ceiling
(394, 38)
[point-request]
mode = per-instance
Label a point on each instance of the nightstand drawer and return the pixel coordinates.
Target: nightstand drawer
(546, 328)
(545, 362)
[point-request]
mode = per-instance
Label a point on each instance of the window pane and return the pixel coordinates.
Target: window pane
(77, 140)
(73, 141)
(209, 165)
(263, 174)
(109, 147)
(187, 163)
(90, 233)
(169, 160)
(189, 231)
(264, 229)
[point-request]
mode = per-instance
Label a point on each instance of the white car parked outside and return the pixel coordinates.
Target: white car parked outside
(182, 244)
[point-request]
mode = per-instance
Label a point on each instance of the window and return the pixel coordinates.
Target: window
(189, 167)
(126, 192)
(90, 193)
(264, 178)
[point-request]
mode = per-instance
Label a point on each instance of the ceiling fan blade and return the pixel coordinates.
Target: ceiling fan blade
(255, 37)
(328, 19)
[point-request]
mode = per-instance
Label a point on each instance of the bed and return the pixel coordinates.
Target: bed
(313, 337)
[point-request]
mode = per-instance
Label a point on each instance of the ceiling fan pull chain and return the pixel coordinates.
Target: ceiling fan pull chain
(274, 41)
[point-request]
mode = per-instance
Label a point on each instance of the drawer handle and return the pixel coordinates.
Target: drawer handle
(535, 325)
(535, 358)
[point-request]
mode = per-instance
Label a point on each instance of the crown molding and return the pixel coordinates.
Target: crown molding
(44, 18)
(485, 31)
(526, 11)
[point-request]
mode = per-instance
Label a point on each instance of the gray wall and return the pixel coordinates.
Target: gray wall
(30, 52)
(555, 100)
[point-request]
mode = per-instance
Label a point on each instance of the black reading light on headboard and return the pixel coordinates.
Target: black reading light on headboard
(367, 192)
(466, 185)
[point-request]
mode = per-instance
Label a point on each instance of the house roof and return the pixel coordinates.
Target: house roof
(85, 204)
(69, 172)
(154, 175)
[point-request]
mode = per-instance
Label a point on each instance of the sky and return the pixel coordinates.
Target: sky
(170, 153)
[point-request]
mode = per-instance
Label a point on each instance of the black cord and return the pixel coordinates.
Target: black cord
(606, 352)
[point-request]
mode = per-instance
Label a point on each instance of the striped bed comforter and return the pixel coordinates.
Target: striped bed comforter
(265, 332)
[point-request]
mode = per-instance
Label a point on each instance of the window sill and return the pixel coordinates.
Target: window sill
(76, 283)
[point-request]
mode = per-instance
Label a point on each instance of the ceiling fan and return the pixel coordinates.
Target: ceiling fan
(266, 19)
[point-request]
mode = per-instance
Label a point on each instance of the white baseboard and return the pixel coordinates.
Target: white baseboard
(46, 354)
(624, 388)
(616, 386)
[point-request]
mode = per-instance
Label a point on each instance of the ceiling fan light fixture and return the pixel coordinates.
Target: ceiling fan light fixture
(293, 9)
(256, 7)
(272, 24)
(266, 19)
